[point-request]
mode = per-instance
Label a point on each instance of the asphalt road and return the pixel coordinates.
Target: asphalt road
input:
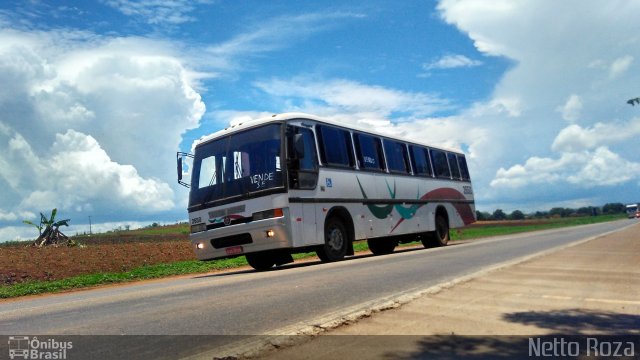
(253, 303)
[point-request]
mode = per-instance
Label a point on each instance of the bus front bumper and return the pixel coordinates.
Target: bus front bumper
(240, 239)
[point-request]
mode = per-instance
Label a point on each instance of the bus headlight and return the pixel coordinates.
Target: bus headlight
(198, 228)
(200, 246)
(268, 214)
(271, 233)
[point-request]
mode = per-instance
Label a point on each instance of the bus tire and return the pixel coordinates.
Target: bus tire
(382, 246)
(439, 237)
(336, 241)
(260, 261)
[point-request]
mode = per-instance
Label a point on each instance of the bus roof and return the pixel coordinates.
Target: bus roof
(297, 116)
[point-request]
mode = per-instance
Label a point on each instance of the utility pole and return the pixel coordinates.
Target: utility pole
(89, 225)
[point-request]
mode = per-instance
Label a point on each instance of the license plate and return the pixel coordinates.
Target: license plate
(234, 250)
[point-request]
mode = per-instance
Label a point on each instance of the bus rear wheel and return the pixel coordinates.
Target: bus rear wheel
(260, 261)
(439, 237)
(336, 241)
(382, 246)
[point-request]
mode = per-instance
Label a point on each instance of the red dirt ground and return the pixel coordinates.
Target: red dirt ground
(21, 263)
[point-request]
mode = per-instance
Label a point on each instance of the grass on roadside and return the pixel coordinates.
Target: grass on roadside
(195, 266)
(488, 230)
(140, 273)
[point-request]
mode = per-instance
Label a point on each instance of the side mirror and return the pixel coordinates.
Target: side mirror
(180, 163)
(298, 145)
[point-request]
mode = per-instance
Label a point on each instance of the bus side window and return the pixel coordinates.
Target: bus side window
(369, 152)
(310, 160)
(336, 146)
(453, 164)
(440, 164)
(464, 170)
(397, 159)
(420, 161)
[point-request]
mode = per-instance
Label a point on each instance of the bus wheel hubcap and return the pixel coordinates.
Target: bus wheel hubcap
(335, 239)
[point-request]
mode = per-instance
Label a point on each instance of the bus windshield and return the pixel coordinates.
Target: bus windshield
(240, 164)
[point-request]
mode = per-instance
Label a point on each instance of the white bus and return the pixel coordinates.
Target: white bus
(291, 183)
(633, 211)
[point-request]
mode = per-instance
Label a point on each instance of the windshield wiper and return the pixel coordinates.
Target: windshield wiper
(213, 178)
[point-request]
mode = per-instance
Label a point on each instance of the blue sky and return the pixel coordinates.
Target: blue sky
(98, 96)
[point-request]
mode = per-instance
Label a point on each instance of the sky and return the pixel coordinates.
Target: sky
(97, 96)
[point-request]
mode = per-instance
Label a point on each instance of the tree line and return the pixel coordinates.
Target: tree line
(499, 214)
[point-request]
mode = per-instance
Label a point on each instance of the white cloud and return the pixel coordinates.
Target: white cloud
(587, 169)
(556, 48)
(231, 117)
(100, 117)
(75, 153)
(476, 16)
(76, 173)
(574, 138)
(346, 96)
(620, 66)
(13, 216)
(17, 233)
(91, 123)
(584, 160)
(155, 12)
(452, 62)
(605, 168)
(271, 35)
(571, 109)
(506, 106)
(614, 67)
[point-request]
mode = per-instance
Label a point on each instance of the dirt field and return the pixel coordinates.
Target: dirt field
(20, 263)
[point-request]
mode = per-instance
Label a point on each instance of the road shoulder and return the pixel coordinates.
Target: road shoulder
(590, 288)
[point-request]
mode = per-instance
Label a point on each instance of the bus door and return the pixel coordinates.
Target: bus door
(302, 163)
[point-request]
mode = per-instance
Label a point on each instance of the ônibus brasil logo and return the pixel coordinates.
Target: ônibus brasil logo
(24, 347)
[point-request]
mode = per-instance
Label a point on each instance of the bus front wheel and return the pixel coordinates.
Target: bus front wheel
(260, 261)
(336, 241)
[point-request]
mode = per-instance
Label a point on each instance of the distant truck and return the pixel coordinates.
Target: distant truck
(633, 211)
